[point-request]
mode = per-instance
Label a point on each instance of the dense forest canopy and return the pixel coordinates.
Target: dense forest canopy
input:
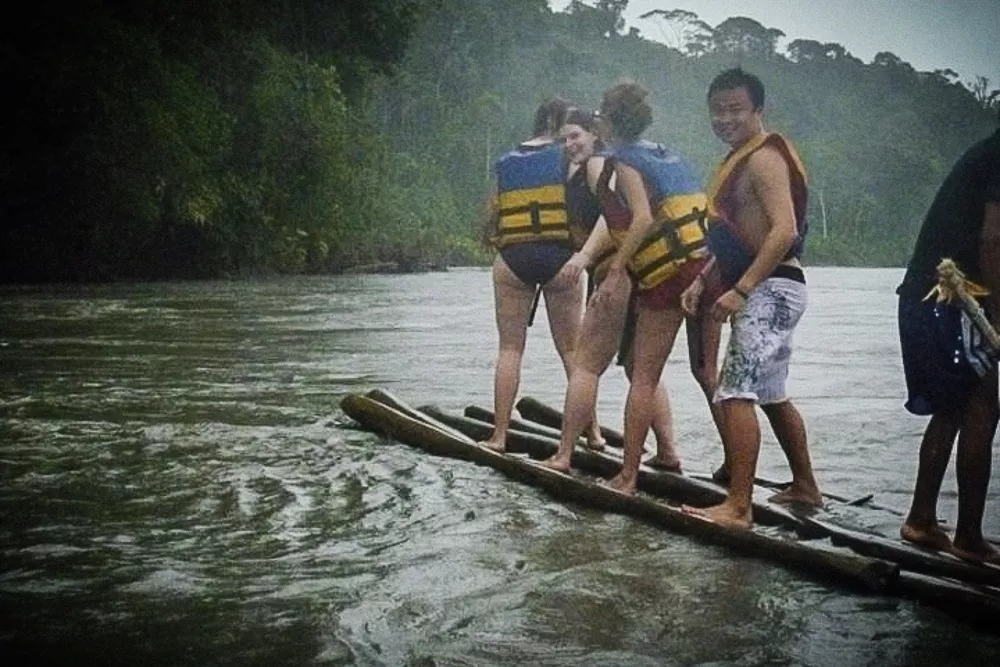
(184, 138)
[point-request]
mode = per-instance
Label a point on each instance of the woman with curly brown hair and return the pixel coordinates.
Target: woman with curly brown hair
(655, 215)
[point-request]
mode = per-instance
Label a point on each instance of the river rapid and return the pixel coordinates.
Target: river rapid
(178, 486)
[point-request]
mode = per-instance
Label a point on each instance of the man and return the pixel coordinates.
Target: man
(951, 374)
(757, 204)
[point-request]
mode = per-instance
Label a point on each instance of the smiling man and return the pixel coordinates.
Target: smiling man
(757, 205)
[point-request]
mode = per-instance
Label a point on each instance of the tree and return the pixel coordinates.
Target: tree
(604, 19)
(979, 88)
(745, 37)
(684, 30)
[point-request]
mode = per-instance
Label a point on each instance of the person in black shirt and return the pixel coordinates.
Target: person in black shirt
(947, 377)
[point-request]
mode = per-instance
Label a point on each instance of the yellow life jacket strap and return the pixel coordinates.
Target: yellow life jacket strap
(725, 170)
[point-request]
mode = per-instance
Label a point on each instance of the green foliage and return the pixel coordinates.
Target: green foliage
(227, 137)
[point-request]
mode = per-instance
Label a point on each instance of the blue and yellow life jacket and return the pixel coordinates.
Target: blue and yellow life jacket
(678, 206)
(531, 196)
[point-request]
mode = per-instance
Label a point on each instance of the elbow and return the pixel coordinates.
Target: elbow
(788, 239)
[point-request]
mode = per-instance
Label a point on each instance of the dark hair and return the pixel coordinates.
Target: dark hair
(550, 116)
(580, 116)
(624, 106)
(734, 78)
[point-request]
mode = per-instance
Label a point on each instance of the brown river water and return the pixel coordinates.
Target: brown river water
(178, 486)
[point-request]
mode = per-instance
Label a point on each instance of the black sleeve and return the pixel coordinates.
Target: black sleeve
(993, 180)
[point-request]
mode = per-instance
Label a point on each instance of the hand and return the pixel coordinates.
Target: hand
(728, 305)
(692, 296)
(614, 283)
(570, 272)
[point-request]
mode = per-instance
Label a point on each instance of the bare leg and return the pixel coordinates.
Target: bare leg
(666, 456)
(790, 430)
(564, 305)
(741, 431)
(921, 525)
(599, 337)
(513, 303)
(704, 335)
(973, 461)
(655, 332)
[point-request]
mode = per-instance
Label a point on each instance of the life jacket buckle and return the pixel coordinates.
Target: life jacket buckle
(534, 209)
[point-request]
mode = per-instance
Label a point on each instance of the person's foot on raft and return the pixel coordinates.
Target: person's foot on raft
(595, 442)
(557, 463)
(798, 495)
(665, 464)
(621, 484)
(931, 537)
(981, 552)
(724, 514)
(498, 446)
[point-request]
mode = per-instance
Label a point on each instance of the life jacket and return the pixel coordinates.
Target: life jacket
(678, 206)
(531, 196)
(733, 253)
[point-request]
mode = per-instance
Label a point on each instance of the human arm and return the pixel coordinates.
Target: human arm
(768, 196)
(598, 244)
(770, 185)
(631, 185)
(691, 296)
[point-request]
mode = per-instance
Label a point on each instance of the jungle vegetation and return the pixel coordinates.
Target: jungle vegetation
(222, 138)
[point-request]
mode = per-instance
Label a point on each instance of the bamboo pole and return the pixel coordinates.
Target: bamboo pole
(908, 556)
(978, 605)
(680, 488)
(534, 410)
(951, 281)
(869, 574)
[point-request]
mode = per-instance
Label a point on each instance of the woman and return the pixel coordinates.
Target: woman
(533, 235)
(582, 145)
(654, 215)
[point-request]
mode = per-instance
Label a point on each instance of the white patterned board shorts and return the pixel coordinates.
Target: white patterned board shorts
(760, 345)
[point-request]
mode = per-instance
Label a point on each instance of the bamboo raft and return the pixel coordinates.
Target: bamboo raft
(809, 544)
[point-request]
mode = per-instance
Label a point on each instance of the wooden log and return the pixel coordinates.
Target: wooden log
(910, 557)
(606, 464)
(522, 425)
(974, 604)
(857, 571)
(386, 398)
(533, 410)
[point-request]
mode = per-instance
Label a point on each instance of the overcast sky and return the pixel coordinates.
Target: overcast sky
(963, 35)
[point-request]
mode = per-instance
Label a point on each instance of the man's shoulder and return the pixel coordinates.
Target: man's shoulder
(768, 160)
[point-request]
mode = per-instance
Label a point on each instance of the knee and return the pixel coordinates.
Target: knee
(644, 384)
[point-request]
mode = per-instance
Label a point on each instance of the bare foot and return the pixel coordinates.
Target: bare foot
(724, 515)
(798, 495)
(620, 484)
(558, 463)
(931, 537)
(983, 552)
(595, 442)
(498, 446)
(664, 463)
